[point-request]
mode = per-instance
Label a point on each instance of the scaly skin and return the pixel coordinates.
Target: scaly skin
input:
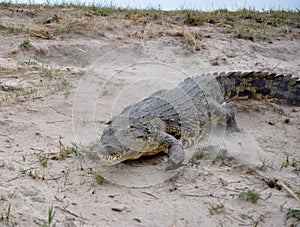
(171, 120)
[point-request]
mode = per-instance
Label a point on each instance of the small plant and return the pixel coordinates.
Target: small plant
(65, 85)
(197, 156)
(100, 179)
(43, 159)
(2, 198)
(194, 18)
(190, 42)
(227, 30)
(59, 30)
(295, 214)
(47, 71)
(10, 167)
(59, 82)
(32, 175)
(7, 215)
(265, 164)
(244, 33)
(26, 43)
(24, 157)
(23, 171)
(65, 151)
(51, 214)
(14, 30)
(218, 208)
(29, 62)
(286, 162)
(50, 219)
(8, 212)
(250, 195)
(293, 163)
(101, 12)
(60, 199)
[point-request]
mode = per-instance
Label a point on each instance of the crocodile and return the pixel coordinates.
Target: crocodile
(172, 120)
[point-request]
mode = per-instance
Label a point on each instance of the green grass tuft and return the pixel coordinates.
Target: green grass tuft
(100, 179)
(295, 214)
(65, 151)
(26, 43)
(250, 195)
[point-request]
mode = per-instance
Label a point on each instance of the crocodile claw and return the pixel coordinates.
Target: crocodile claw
(176, 157)
(172, 165)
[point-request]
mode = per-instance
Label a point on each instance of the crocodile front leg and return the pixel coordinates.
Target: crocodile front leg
(175, 150)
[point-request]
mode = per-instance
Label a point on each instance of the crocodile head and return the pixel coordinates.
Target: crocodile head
(124, 141)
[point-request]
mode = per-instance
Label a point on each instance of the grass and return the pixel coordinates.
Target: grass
(53, 79)
(32, 175)
(265, 164)
(8, 212)
(24, 157)
(293, 214)
(29, 172)
(66, 150)
(50, 218)
(26, 43)
(244, 33)
(47, 71)
(218, 208)
(101, 12)
(24, 94)
(250, 195)
(59, 199)
(10, 167)
(100, 179)
(294, 164)
(246, 23)
(23, 171)
(3, 197)
(242, 16)
(29, 62)
(43, 159)
(59, 82)
(7, 217)
(197, 156)
(195, 18)
(14, 30)
(19, 95)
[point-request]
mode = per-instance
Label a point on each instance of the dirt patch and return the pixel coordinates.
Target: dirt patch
(44, 56)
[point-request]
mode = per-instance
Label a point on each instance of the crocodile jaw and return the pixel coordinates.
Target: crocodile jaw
(110, 160)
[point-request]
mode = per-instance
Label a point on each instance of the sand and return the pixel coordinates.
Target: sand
(61, 89)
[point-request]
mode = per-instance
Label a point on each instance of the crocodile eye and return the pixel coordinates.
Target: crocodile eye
(126, 150)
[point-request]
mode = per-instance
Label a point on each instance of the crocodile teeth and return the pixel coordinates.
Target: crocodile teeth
(111, 158)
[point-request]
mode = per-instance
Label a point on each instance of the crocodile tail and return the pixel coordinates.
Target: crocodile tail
(259, 85)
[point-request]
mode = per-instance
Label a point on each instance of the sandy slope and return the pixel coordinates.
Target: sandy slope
(36, 109)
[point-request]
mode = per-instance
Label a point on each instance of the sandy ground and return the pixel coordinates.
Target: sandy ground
(40, 83)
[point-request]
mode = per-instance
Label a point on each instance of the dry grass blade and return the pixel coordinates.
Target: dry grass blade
(289, 191)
